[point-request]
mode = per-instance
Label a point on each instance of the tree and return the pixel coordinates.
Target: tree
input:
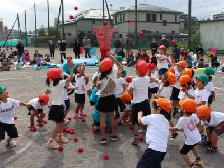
(41, 32)
(53, 32)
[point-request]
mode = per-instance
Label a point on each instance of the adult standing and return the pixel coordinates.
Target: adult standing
(20, 52)
(128, 44)
(87, 46)
(164, 41)
(176, 53)
(51, 46)
(154, 47)
(76, 48)
(62, 49)
(117, 45)
(200, 52)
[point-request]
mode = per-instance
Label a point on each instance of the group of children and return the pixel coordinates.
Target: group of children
(148, 102)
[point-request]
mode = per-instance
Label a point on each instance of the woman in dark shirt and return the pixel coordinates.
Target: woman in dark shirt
(76, 48)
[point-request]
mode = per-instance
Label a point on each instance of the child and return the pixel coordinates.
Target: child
(35, 107)
(187, 90)
(7, 123)
(27, 57)
(37, 59)
(107, 102)
(139, 90)
(94, 98)
(138, 55)
(188, 124)
(154, 77)
(201, 94)
(56, 112)
(80, 84)
(210, 86)
(157, 134)
(163, 61)
(131, 59)
(215, 123)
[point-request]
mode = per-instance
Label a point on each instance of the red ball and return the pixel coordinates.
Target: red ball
(106, 156)
(34, 129)
(75, 8)
(15, 118)
(60, 148)
(142, 34)
(71, 132)
(80, 149)
(71, 17)
(184, 89)
(105, 23)
(106, 65)
(75, 139)
(128, 79)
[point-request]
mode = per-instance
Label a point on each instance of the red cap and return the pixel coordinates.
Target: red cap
(162, 47)
(106, 65)
(44, 98)
(54, 73)
(142, 67)
(152, 66)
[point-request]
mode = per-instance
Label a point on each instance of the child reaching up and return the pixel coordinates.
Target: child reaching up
(57, 84)
(35, 107)
(7, 123)
(188, 124)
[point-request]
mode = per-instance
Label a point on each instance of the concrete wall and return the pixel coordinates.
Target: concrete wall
(212, 34)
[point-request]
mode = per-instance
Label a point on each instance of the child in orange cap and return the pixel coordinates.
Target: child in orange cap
(139, 90)
(56, 83)
(156, 135)
(187, 90)
(215, 125)
(188, 124)
(35, 107)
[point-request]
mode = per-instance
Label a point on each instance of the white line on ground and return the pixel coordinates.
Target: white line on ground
(219, 88)
(5, 79)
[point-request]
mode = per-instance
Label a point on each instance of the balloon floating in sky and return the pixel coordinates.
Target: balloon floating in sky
(75, 8)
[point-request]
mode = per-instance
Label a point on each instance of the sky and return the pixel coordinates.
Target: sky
(9, 8)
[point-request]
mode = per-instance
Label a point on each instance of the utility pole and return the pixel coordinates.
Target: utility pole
(136, 23)
(62, 24)
(19, 29)
(25, 29)
(48, 20)
(189, 23)
(103, 11)
(35, 23)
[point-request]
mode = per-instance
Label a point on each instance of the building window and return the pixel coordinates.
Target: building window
(175, 18)
(120, 17)
(164, 23)
(161, 16)
(150, 17)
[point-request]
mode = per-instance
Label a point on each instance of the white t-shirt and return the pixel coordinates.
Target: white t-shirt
(114, 72)
(35, 103)
(177, 74)
(182, 95)
(210, 87)
(58, 93)
(201, 96)
(162, 61)
(157, 131)
(189, 126)
(154, 75)
(80, 83)
(119, 86)
(140, 89)
(6, 115)
(165, 91)
(216, 119)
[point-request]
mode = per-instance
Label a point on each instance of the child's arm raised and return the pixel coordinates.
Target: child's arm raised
(70, 63)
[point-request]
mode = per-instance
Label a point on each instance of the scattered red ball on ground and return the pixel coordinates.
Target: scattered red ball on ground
(34, 129)
(106, 156)
(80, 149)
(60, 148)
(75, 139)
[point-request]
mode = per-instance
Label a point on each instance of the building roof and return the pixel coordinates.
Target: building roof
(96, 14)
(211, 21)
(149, 7)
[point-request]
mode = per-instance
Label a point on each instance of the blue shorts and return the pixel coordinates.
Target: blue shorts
(67, 104)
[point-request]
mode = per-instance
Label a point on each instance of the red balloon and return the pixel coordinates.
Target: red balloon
(75, 8)
(106, 156)
(71, 17)
(128, 79)
(142, 34)
(80, 150)
(60, 148)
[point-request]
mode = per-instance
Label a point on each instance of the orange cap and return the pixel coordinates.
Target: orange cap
(164, 104)
(54, 73)
(203, 111)
(188, 71)
(171, 69)
(171, 78)
(44, 98)
(106, 65)
(142, 67)
(125, 97)
(184, 79)
(182, 64)
(188, 105)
